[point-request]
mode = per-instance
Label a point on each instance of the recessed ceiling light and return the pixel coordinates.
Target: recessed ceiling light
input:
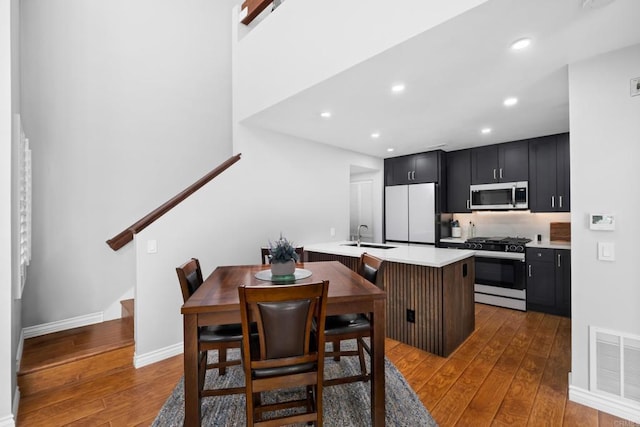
(398, 88)
(375, 135)
(390, 150)
(325, 114)
(510, 102)
(520, 44)
(485, 130)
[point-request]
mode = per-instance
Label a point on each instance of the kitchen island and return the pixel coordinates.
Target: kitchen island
(430, 296)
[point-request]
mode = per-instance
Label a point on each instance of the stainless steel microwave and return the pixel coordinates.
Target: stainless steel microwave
(500, 196)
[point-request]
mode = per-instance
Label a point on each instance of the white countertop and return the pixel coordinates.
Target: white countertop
(426, 255)
(548, 244)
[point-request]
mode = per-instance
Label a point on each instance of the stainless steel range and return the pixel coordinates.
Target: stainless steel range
(500, 270)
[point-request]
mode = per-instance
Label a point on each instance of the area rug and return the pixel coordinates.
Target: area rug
(344, 405)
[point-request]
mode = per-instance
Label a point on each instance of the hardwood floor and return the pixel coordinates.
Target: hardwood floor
(511, 371)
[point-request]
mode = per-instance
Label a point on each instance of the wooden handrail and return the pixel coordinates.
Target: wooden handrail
(253, 9)
(126, 235)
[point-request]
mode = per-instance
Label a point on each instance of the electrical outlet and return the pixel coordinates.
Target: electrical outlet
(411, 316)
(635, 86)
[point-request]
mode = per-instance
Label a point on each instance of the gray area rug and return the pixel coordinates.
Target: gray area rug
(344, 405)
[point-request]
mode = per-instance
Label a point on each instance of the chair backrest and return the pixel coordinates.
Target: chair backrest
(265, 256)
(285, 315)
(190, 277)
(369, 267)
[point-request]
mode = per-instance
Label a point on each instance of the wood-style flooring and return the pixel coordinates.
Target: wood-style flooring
(511, 371)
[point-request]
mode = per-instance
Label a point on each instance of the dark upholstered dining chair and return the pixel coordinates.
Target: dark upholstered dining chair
(219, 337)
(356, 326)
(286, 352)
(265, 256)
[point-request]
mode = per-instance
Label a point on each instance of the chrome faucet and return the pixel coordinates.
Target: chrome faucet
(359, 228)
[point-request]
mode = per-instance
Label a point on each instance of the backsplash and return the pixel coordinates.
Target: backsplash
(510, 223)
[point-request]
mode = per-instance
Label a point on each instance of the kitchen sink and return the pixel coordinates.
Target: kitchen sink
(369, 245)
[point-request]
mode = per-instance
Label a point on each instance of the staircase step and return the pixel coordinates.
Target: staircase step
(65, 357)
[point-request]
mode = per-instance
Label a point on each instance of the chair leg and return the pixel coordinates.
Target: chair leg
(318, 402)
(202, 370)
(222, 357)
(363, 366)
(335, 345)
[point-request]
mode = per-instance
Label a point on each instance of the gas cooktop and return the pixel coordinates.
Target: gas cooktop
(503, 244)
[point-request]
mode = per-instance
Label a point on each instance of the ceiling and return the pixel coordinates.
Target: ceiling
(457, 76)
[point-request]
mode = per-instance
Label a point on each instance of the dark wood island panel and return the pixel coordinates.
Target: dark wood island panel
(430, 308)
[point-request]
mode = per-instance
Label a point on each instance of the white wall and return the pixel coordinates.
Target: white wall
(605, 130)
(7, 378)
(125, 104)
(310, 41)
(281, 184)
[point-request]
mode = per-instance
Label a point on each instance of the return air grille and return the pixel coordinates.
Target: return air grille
(615, 363)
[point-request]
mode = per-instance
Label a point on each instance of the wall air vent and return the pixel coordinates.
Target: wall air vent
(614, 363)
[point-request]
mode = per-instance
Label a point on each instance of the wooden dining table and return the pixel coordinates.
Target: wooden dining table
(216, 302)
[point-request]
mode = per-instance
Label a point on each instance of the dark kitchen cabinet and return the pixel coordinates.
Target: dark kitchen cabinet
(549, 174)
(563, 281)
(506, 162)
(458, 180)
(549, 281)
(413, 169)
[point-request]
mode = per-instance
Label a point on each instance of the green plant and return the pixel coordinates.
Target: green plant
(282, 250)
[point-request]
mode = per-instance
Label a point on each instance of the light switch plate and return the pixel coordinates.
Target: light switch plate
(152, 246)
(635, 86)
(606, 251)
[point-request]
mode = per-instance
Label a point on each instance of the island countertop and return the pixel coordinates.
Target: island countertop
(429, 256)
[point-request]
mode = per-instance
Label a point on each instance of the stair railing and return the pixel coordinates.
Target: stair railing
(127, 234)
(252, 8)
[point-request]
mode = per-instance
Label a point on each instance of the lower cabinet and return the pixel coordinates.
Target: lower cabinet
(549, 281)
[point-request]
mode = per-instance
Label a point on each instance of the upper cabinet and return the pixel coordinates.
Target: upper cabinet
(413, 169)
(500, 163)
(458, 180)
(549, 174)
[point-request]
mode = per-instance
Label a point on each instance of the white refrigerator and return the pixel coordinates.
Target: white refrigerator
(410, 213)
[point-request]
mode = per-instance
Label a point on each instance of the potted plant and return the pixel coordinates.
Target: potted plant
(283, 257)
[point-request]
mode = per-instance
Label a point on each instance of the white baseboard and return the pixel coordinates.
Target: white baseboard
(156, 356)
(16, 402)
(19, 350)
(62, 325)
(7, 421)
(609, 404)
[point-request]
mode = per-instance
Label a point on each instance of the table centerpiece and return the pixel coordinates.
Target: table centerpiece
(283, 257)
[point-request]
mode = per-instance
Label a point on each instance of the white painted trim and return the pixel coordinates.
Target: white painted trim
(157, 355)
(62, 325)
(619, 407)
(19, 350)
(7, 421)
(16, 402)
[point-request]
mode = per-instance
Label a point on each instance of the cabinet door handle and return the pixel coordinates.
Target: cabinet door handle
(468, 204)
(409, 176)
(494, 174)
(413, 175)
(560, 200)
(530, 270)
(559, 262)
(553, 201)
(500, 173)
